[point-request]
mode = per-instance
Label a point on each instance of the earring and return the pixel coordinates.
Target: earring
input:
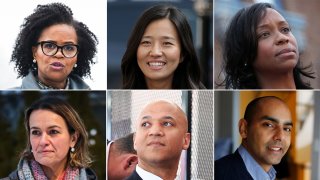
(72, 149)
(34, 61)
(245, 64)
(75, 65)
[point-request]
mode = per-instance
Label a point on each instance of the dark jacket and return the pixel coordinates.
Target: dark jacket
(14, 175)
(231, 167)
(134, 176)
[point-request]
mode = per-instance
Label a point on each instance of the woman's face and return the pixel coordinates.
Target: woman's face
(277, 47)
(49, 138)
(55, 68)
(159, 52)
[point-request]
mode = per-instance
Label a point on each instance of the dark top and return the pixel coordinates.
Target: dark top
(231, 167)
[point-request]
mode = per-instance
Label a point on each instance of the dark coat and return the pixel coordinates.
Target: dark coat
(231, 167)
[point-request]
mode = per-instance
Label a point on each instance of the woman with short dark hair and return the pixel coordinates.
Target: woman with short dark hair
(53, 50)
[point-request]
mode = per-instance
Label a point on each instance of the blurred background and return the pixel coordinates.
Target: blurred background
(302, 161)
(123, 108)
(122, 16)
(91, 107)
(92, 13)
(302, 17)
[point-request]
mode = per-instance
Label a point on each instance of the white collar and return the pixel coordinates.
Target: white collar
(145, 175)
(108, 149)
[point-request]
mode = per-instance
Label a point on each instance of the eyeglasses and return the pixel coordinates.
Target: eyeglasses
(50, 49)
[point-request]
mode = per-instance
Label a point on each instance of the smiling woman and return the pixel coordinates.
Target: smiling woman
(160, 52)
(53, 50)
(57, 143)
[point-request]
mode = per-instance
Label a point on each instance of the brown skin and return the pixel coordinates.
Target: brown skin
(120, 165)
(61, 34)
(160, 138)
(277, 54)
(268, 136)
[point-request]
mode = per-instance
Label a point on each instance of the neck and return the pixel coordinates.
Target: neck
(159, 84)
(55, 172)
(270, 80)
(54, 84)
(164, 170)
(265, 167)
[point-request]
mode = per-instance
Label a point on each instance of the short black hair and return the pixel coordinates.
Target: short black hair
(43, 17)
(253, 107)
(240, 50)
(187, 75)
(124, 145)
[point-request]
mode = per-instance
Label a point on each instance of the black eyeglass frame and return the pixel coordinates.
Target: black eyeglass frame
(58, 47)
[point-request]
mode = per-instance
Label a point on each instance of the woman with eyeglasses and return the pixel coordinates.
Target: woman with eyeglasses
(53, 50)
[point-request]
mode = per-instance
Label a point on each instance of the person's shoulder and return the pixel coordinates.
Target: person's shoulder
(91, 174)
(134, 176)
(231, 167)
(76, 82)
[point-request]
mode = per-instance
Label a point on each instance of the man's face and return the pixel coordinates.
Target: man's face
(161, 134)
(268, 136)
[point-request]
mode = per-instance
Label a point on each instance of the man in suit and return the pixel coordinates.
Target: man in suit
(161, 135)
(266, 135)
(121, 158)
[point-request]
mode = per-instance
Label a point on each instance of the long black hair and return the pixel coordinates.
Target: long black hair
(240, 50)
(187, 74)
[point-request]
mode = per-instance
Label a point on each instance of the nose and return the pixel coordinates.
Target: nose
(282, 39)
(156, 50)
(59, 53)
(156, 130)
(279, 134)
(44, 140)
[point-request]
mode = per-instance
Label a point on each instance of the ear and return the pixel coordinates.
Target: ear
(74, 139)
(134, 142)
(186, 141)
(243, 128)
(130, 162)
(34, 50)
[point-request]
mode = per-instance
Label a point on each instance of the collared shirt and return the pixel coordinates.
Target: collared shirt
(107, 155)
(145, 175)
(255, 170)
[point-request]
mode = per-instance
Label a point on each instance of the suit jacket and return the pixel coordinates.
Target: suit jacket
(231, 167)
(134, 176)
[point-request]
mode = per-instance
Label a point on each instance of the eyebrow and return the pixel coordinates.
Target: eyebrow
(164, 117)
(50, 127)
(162, 37)
(267, 25)
(276, 120)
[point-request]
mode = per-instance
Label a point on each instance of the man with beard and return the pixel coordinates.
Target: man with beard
(161, 135)
(266, 135)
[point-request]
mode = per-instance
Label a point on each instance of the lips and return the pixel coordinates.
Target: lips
(156, 65)
(57, 64)
(285, 51)
(155, 143)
